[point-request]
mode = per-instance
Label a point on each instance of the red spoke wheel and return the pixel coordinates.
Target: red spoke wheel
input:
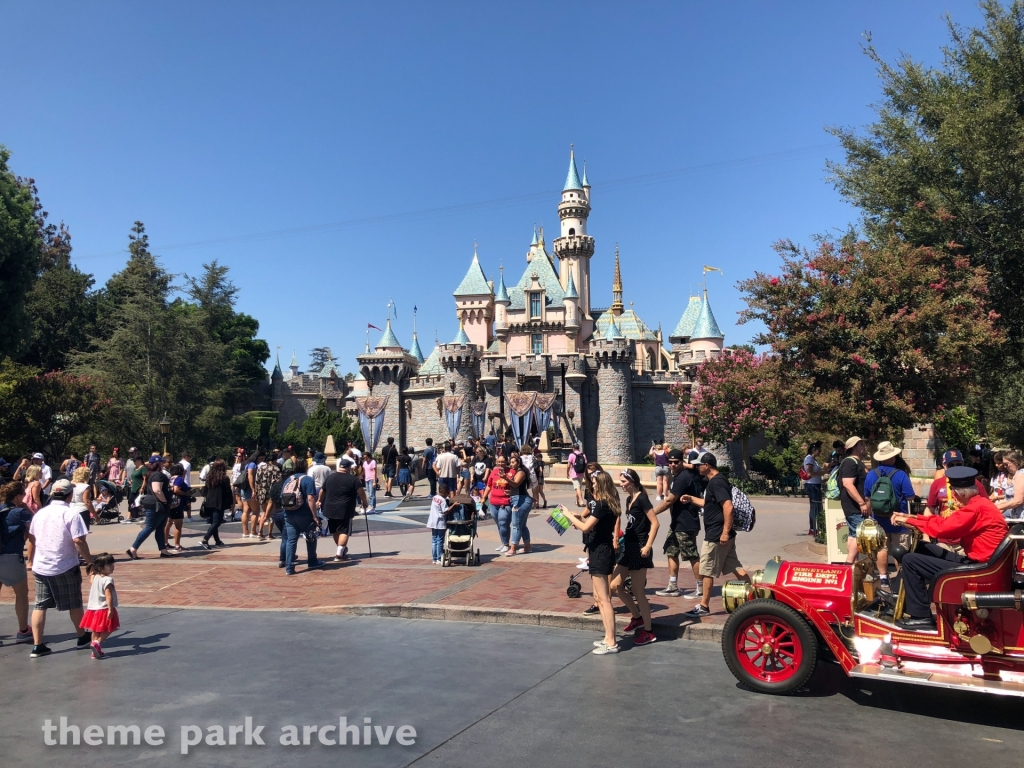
(769, 647)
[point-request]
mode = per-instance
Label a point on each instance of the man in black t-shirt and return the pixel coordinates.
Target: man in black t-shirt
(389, 458)
(718, 553)
(681, 542)
(337, 503)
(852, 474)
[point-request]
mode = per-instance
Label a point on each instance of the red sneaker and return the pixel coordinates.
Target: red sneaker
(643, 637)
(634, 624)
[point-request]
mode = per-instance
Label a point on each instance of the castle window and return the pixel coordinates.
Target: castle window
(537, 344)
(572, 231)
(534, 305)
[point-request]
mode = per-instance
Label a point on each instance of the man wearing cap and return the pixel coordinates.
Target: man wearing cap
(940, 501)
(851, 492)
(338, 504)
(56, 543)
(47, 473)
(903, 489)
(684, 525)
(718, 552)
(977, 525)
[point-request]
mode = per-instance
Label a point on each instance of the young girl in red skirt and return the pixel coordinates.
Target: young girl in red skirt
(100, 616)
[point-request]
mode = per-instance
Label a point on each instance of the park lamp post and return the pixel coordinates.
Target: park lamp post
(165, 428)
(691, 422)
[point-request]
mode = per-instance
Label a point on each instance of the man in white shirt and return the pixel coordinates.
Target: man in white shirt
(47, 478)
(206, 469)
(131, 463)
(319, 471)
(447, 467)
(56, 542)
(186, 464)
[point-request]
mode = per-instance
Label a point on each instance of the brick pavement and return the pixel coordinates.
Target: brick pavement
(246, 577)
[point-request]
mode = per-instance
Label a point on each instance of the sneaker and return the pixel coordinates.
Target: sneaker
(337, 559)
(498, 548)
(592, 610)
(84, 641)
(643, 637)
(40, 650)
(598, 643)
(97, 651)
(634, 624)
(503, 549)
(280, 563)
(697, 610)
(697, 594)
(603, 650)
(204, 545)
(811, 532)
(670, 591)
(317, 564)
(23, 637)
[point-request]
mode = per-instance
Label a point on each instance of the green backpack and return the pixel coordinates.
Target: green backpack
(884, 500)
(832, 486)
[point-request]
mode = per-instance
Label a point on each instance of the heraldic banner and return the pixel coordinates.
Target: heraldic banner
(520, 413)
(371, 419)
(479, 411)
(453, 414)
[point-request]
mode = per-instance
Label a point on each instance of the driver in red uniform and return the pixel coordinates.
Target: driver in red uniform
(978, 526)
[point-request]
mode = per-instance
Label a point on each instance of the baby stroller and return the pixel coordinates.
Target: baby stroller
(460, 535)
(108, 497)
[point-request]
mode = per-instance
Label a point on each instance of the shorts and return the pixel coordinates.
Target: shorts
(12, 570)
(631, 558)
(853, 523)
(683, 545)
(717, 558)
(661, 471)
(177, 514)
(389, 471)
(245, 494)
(576, 483)
(339, 525)
(464, 474)
(63, 591)
(601, 560)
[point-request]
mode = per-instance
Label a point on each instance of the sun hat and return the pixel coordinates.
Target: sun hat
(887, 450)
(851, 442)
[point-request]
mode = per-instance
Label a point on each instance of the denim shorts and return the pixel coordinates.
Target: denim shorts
(853, 523)
(245, 494)
(661, 471)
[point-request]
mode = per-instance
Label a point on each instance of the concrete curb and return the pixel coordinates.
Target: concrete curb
(437, 612)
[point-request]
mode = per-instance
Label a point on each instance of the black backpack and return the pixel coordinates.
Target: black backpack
(5, 535)
(579, 464)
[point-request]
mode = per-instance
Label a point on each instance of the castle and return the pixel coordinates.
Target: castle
(535, 353)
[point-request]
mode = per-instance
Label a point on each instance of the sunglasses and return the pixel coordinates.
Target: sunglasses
(674, 461)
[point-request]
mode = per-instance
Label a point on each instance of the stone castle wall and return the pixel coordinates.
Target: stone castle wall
(656, 417)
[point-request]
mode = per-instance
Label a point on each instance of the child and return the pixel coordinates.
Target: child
(478, 498)
(100, 616)
(436, 521)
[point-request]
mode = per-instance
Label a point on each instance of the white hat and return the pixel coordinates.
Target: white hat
(37, 456)
(887, 450)
(853, 441)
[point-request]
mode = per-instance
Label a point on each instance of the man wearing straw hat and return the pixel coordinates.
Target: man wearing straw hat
(883, 507)
(851, 492)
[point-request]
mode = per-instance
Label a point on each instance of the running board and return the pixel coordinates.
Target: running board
(938, 680)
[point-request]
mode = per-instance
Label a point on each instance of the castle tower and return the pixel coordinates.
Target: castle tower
(617, 307)
(461, 361)
(572, 310)
(474, 304)
(614, 355)
(574, 247)
(386, 371)
(277, 385)
(706, 337)
(294, 365)
(501, 305)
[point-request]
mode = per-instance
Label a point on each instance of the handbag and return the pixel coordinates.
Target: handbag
(203, 511)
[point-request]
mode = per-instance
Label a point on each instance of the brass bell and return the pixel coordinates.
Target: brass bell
(870, 537)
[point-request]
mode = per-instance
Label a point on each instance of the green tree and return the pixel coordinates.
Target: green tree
(878, 336)
(19, 254)
(318, 425)
(943, 163)
(58, 406)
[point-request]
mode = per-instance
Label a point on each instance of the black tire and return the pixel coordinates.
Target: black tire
(788, 665)
(574, 590)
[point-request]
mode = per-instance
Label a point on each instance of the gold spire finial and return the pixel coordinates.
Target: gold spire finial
(617, 305)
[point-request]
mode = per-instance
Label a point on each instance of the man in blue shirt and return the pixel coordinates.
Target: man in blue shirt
(429, 455)
(301, 520)
(887, 457)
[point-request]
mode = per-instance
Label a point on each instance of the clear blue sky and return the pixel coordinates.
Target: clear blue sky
(228, 121)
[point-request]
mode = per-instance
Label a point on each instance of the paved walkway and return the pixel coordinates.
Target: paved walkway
(399, 579)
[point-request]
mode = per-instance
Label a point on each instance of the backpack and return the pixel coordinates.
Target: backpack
(579, 464)
(5, 535)
(531, 471)
(832, 487)
(884, 499)
(242, 483)
(743, 513)
(292, 497)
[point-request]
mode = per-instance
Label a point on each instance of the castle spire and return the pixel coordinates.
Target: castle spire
(572, 179)
(617, 306)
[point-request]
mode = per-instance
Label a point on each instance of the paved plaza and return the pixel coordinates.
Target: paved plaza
(477, 695)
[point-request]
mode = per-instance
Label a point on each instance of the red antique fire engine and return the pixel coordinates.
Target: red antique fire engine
(793, 611)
